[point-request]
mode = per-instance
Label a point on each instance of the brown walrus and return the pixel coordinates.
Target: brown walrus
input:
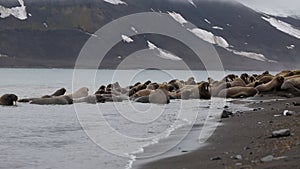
(156, 97)
(292, 86)
(82, 92)
(8, 100)
(58, 100)
(59, 92)
(200, 91)
(238, 92)
(237, 82)
(93, 99)
(274, 84)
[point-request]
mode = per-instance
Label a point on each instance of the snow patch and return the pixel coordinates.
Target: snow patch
(192, 2)
(177, 17)
(162, 53)
(251, 55)
(207, 21)
(217, 27)
(220, 41)
(209, 37)
(18, 11)
(45, 24)
(290, 47)
(127, 39)
(283, 26)
(115, 2)
(134, 30)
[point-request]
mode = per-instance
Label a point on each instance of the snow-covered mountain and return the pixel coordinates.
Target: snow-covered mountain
(51, 33)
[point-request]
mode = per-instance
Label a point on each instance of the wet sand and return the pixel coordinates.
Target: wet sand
(245, 139)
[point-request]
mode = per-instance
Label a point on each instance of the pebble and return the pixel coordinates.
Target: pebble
(238, 164)
(247, 148)
(237, 157)
(281, 133)
(268, 158)
(288, 113)
(226, 114)
(215, 158)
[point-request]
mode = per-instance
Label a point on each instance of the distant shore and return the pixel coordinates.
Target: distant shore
(244, 141)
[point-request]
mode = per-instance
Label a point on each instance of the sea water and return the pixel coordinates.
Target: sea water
(109, 135)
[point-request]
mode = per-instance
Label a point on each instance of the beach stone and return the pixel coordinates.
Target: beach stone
(296, 104)
(238, 164)
(268, 158)
(226, 114)
(237, 157)
(281, 133)
(215, 158)
(288, 113)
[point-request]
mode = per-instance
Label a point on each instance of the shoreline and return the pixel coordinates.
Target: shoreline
(243, 140)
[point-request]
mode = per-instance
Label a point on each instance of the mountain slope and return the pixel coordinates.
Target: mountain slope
(55, 31)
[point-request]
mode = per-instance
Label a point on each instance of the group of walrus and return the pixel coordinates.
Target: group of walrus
(286, 83)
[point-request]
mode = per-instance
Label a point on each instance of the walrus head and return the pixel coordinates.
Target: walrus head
(59, 92)
(204, 91)
(148, 82)
(280, 80)
(100, 98)
(8, 99)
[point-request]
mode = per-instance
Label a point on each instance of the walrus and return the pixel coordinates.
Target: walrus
(216, 88)
(114, 98)
(245, 78)
(156, 97)
(58, 100)
(238, 92)
(237, 82)
(292, 86)
(200, 91)
(190, 81)
(82, 92)
(274, 84)
(59, 92)
(8, 100)
(92, 99)
(284, 73)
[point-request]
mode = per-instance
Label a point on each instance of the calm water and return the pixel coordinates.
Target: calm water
(87, 136)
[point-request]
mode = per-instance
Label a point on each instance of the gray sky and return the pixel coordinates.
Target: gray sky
(281, 7)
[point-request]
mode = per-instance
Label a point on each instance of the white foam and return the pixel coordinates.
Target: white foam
(209, 37)
(127, 39)
(178, 17)
(156, 140)
(115, 2)
(283, 26)
(18, 12)
(162, 53)
(217, 27)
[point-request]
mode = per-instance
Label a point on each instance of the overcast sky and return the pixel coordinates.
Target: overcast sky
(282, 7)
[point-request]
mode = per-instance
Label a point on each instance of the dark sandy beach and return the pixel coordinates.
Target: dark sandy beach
(245, 139)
